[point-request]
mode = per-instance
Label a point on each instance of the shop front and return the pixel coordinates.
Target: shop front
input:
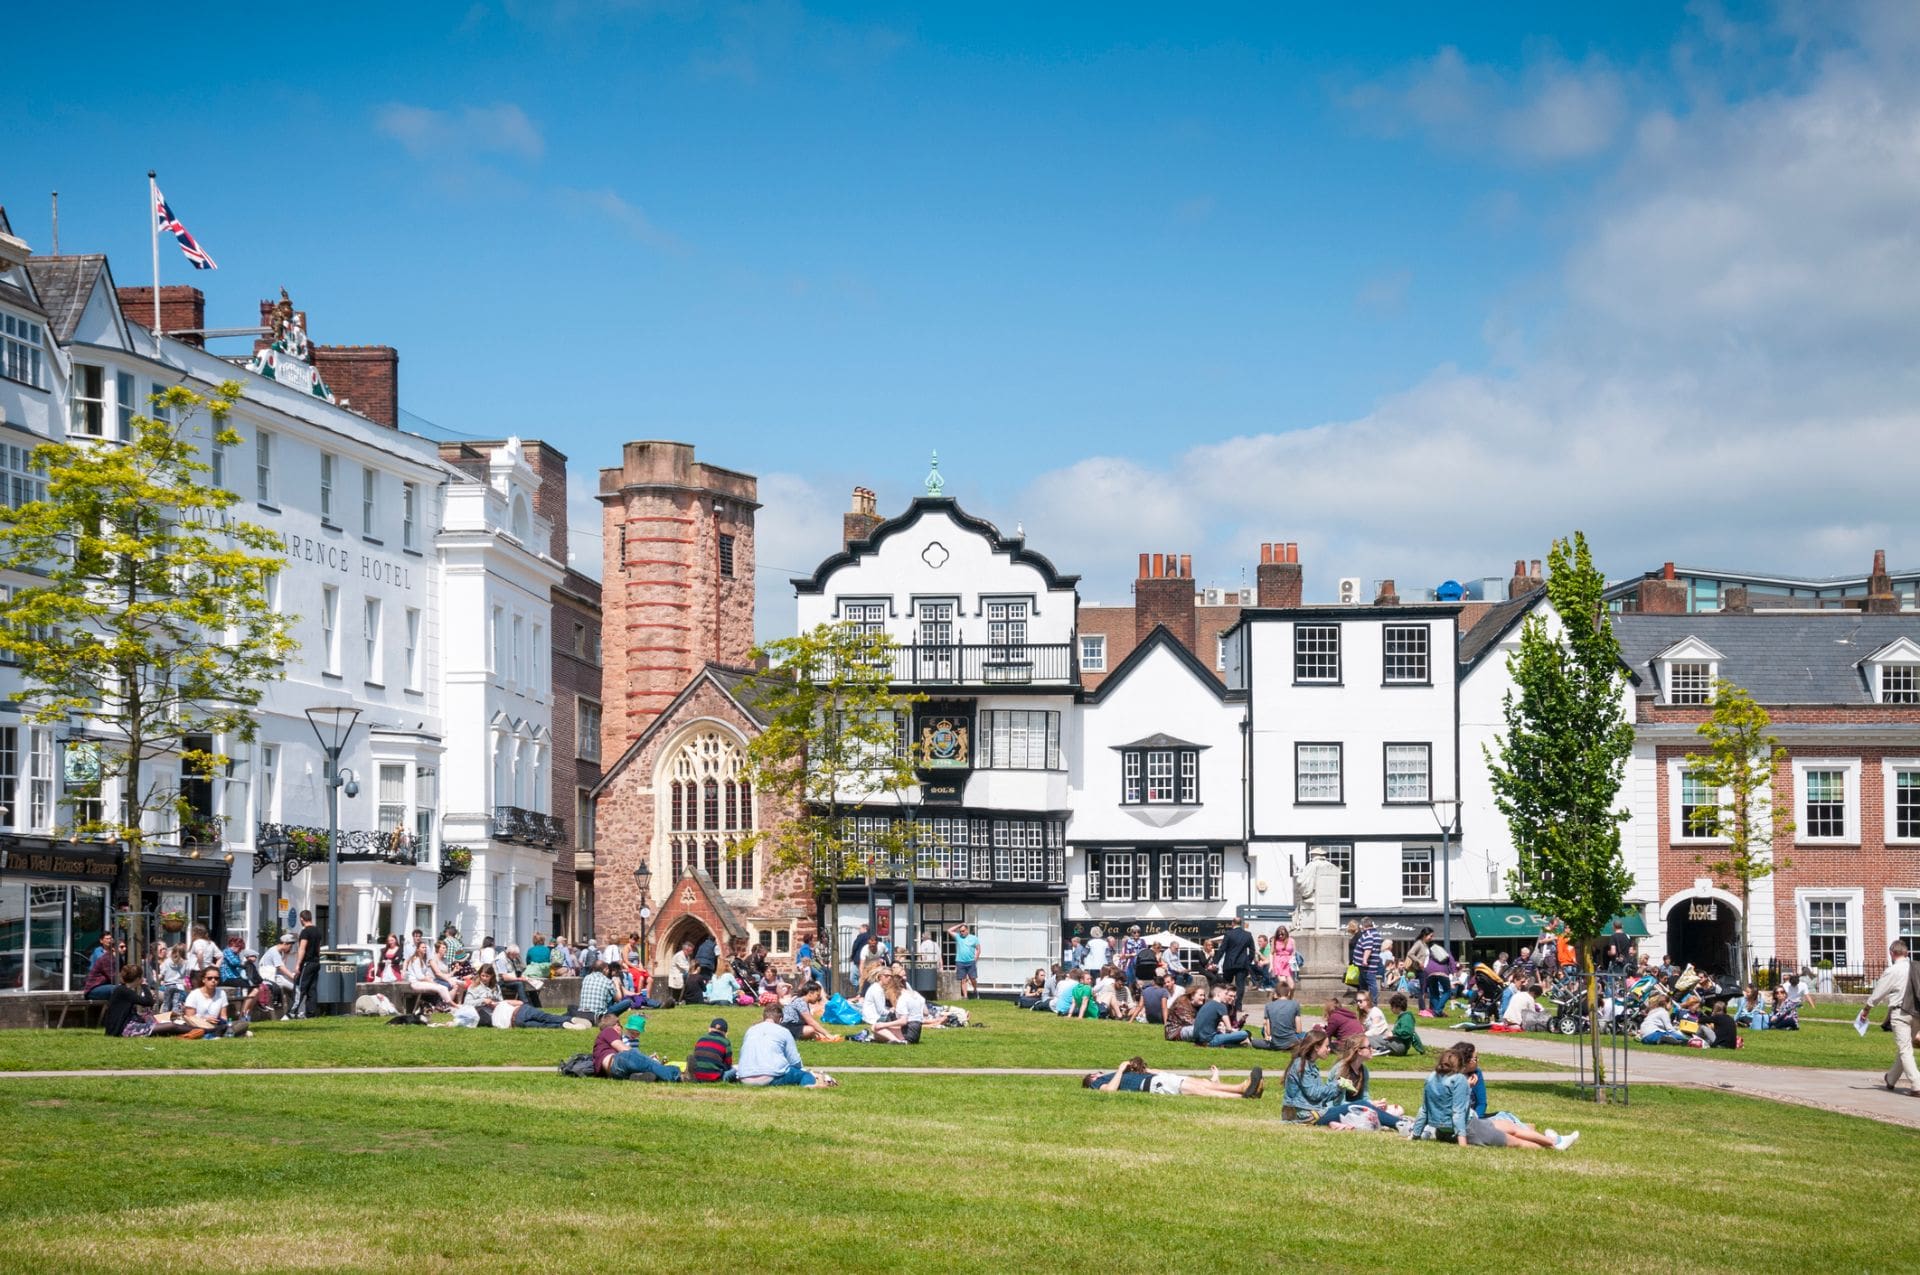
(53, 909)
(1507, 927)
(179, 894)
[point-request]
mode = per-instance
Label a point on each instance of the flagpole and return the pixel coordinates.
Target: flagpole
(153, 224)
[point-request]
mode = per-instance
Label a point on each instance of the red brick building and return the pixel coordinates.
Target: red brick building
(1843, 690)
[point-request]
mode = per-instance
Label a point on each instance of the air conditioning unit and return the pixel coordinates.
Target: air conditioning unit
(1211, 597)
(1352, 591)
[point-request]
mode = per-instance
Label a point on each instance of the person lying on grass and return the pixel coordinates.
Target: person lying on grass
(1134, 1076)
(801, 1015)
(1445, 1108)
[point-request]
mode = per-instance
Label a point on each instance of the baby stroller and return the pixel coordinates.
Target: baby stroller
(1483, 1006)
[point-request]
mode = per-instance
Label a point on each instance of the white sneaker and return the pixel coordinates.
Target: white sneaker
(1567, 1141)
(1551, 1134)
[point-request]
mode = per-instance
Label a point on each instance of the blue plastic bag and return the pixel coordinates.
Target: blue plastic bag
(841, 1012)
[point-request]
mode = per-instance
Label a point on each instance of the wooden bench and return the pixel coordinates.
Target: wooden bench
(57, 1009)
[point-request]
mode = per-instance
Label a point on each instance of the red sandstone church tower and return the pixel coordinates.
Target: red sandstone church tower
(677, 581)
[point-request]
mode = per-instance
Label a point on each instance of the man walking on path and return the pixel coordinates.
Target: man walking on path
(1236, 959)
(1895, 990)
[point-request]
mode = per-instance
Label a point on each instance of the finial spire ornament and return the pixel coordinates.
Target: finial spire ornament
(935, 483)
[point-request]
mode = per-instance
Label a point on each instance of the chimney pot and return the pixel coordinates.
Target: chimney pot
(1143, 566)
(1666, 571)
(1534, 571)
(1266, 553)
(1186, 566)
(1879, 562)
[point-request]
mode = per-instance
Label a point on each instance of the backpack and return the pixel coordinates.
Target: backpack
(580, 1065)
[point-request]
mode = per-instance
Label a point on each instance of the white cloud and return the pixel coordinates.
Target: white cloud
(1729, 379)
(628, 217)
(584, 540)
(461, 133)
(1553, 111)
(797, 528)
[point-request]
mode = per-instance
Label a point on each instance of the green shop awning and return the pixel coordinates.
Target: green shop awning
(1492, 921)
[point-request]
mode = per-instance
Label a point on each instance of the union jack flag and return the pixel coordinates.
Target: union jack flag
(171, 224)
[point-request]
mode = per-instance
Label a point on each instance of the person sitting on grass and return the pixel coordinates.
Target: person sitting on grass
(1405, 1037)
(1076, 997)
(235, 976)
(1035, 994)
(768, 1056)
(172, 974)
(1720, 1028)
(1657, 1027)
(1343, 1020)
(1786, 1014)
(129, 997)
(207, 1010)
(722, 988)
(273, 972)
(712, 1058)
(879, 1009)
(1523, 1010)
(1752, 1009)
(1306, 1092)
(1134, 1076)
(1444, 1108)
(1373, 1021)
(1154, 999)
(1214, 1026)
(801, 1016)
(483, 993)
(617, 1057)
(1280, 1023)
(1181, 1011)
(1107, 992)
(1469, 1059)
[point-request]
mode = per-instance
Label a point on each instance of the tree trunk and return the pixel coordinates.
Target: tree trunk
(130, 830)
(1746, 906)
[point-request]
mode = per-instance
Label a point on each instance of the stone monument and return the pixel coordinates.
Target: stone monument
(1318, 931)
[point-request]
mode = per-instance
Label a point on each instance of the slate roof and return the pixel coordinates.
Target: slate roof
(19, 300)
(744, 686)
(736, 684)
(1810, 657)
(64, 284)
(1494, 625)
(1161, 739)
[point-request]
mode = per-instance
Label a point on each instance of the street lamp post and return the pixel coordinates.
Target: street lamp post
(909, 804)
(1446, 812)
(642, 880)
(332, 726)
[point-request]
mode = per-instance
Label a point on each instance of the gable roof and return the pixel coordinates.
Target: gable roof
(64, 285)
(1160, 739)
(1013, 546)
(735, 683)
(1492, 627)
(1788, 657)
(1902, 648)
(1162, 636)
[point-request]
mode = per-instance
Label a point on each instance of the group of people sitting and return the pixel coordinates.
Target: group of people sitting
(769, 1052)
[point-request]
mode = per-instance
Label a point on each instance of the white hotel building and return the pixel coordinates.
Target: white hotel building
(419, 595)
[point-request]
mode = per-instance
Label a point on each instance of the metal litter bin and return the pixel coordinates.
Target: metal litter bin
(924, 978)
(341, 969)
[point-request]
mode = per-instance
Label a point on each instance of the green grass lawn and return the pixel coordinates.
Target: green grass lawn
(1822, 1046)
(535, 1173)
(1012, 1038)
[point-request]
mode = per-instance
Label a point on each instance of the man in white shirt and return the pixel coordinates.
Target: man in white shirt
(1519, 1005)
(273, 969)
(929, 950)
(1891, 991)
(768, 1056)
(1099, 951)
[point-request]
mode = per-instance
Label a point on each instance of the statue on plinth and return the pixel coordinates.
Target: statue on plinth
(1316, 894)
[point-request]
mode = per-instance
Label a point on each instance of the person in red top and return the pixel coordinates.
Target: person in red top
(104, 973)
(1342, 1022)
(619, 1058)
(712, 1056)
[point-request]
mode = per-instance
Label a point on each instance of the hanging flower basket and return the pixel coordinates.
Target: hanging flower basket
(457, 857)
(173, 922)
(309, 844)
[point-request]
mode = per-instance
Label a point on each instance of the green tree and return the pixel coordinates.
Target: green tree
(836, 739)
(1738, 764)
(149, 624)
(1561, 761)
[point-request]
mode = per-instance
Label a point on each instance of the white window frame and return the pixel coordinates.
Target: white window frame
(372, 621)
(1220, 645)
(79, 402)
(369, 500)
(1339, 774)
(586, 743)
(1890, 901)
(1424, 655)
(1890, 771)
(327, 466)
(330, 629)
(263, 466)
(126, 404)
(1387, 773)
(22, 342)
(1334, 652)
(413, 648)
(1341, 855)
(409, 514)
(266, 794)
(1856, 934)
(1670, 672)
(1677, 831)
(1411, 856)
(1909, 694)
(1850, 766)
(1093, 652)
(1116, 886)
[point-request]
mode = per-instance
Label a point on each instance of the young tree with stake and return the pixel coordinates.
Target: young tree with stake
(1738, 764)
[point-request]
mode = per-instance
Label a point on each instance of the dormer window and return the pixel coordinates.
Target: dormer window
(20, 346)
(1893, 672)
(1688, 671)
(1160, 771)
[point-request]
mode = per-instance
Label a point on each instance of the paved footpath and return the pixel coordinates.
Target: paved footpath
(1852, 1092)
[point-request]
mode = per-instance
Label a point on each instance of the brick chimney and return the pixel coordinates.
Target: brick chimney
(182, 308)
(860, 520)
(1661, 594)
(365, 378)
(1880, 595)
(1277, 581)
(1734, 599)
(1388, 596)
(1164, 595)
(1534, 578)
(1519, 582)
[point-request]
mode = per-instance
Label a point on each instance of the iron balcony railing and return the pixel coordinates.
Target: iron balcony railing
(528, 827)
(294, 846)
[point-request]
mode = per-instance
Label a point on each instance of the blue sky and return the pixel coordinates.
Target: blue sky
(1416, 287)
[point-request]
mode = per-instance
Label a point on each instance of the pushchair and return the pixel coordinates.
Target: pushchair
(1483, 1004)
